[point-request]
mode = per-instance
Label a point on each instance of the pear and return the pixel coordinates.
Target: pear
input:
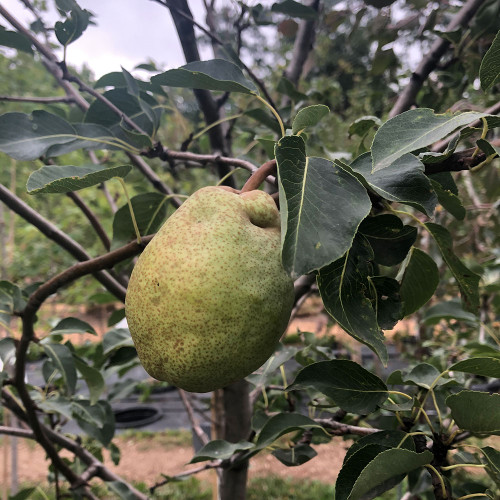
(208, 299)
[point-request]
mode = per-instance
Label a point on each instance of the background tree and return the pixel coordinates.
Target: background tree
(338, 103)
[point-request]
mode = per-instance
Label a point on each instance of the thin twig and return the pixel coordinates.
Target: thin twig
(202, 435)
(183, 475)
(95, 467)
(91, 217)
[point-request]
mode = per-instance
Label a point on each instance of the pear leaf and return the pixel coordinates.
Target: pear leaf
(349, 385)
(63, 179)
(489, 71)
(347, 295)
(322, 206)
(216, 74)
(413, 130)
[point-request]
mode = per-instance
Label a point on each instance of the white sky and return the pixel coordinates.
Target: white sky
(128, 33)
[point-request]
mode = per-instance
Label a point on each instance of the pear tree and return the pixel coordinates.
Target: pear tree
(349, 160)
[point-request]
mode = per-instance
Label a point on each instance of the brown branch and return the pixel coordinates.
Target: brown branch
(183, 475)
(17, 432)
(202, 435)
(456, 162)
(91, 266)
(303, 45)
(339, 429)
(95, 467)
(429, 63)
(38, 100)
(92, 218)
(55, 234)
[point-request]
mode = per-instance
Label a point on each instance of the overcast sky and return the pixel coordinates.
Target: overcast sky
(128, 33)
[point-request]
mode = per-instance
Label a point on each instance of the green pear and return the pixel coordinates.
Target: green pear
(208, 298)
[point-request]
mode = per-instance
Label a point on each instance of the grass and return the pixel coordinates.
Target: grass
(168, 438)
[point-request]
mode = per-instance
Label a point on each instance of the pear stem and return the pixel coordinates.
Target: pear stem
(259, 176)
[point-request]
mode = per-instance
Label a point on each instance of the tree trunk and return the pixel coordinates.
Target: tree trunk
(237, 419)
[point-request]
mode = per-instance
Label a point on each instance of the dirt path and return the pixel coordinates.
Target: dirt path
(146, 461)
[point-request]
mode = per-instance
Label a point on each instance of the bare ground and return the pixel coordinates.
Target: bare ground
(147, 462)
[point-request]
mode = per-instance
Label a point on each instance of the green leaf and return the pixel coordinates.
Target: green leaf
(449, 201)
(322, 206)
(262, 116)
(448, 310)
(281, 424)
(286, 87)
(150, 210)
(115, 339)
(363, 125)
(419, 277)
(489, 71)
(100, 113)
(350, 386)
(62, 179)
(27, 137)
(73, 27)
(389, 238)
(62, 359)
(486, 367)
(116, 316)
(216, 74)
(88, 136)
(294, 9)
(15, 40)
(131, 83)
(7, 349)
(468, 281)
(72, 325)
(308, 117)
(93, 378)
(388, 304)
(477, 412)
(423, 375)
(387, 439)
(121, 490)
(492, 457)
(380, 472)
(98, 420)
(346, 293)
(413, 130)
(24, 494)
(297, 455)
(403, 181)
(220, 450)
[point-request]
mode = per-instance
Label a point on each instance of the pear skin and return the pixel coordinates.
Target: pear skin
(208, 298)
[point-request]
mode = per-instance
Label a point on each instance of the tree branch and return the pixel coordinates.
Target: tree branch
(304, 42)
(216, 39)
(202, 436)
(95, 467)
(91, 266)
(38, 100)
(428, 64)
(62, 239)
(91, 217)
